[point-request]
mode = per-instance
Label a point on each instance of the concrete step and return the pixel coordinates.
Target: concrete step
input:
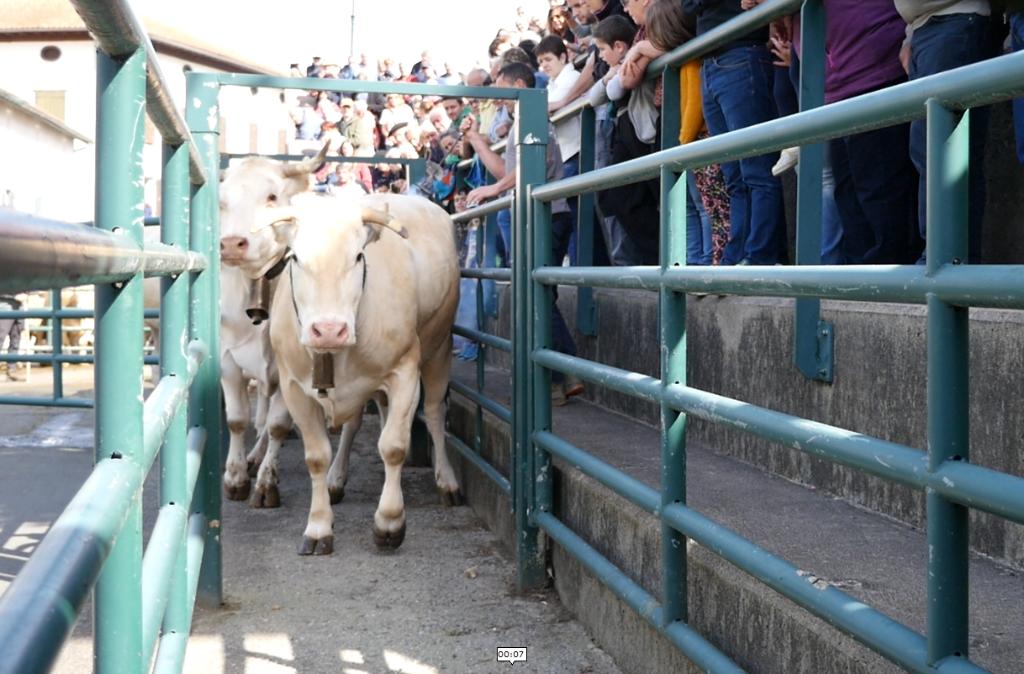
(742, 348)
(874, 558)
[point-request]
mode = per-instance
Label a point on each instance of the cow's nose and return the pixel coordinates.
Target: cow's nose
(233, 245)
(328, 334)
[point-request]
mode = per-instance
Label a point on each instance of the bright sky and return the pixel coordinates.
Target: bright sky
(277, 34)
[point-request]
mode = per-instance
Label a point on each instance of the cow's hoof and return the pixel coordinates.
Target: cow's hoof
(252, 467)
(337, 494)
(239, 493)
(313, 546)
(450, 499)
(388, 540)
(265, 498)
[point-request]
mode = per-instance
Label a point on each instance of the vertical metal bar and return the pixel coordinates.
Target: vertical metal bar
(490, 261)
(481, 354)
(174, 335)
(121, 107)
(532, 143)
(672, 325)
(205, 400)
(586, 309)
(57, 345)
(948, 378)
(543, 300)
(811, 335)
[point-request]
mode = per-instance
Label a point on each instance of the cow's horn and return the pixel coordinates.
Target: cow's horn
(307, 165)
(384, 219)
(268, 217)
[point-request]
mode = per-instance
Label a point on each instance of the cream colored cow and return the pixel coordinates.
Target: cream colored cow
(245, 351)
(374, 282)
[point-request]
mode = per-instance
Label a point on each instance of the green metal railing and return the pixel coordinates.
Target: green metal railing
(143, 601)
(945, 285)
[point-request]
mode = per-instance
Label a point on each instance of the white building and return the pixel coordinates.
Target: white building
(48, 71)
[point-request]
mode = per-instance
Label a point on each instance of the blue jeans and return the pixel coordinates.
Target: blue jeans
(1017, 43)
(504, 242)
(699, 247)
(946, 42)
(831, 225)
(737, 90)
(876, 192)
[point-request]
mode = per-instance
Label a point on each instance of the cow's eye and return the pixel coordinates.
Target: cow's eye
(359, 258)
(272, 199)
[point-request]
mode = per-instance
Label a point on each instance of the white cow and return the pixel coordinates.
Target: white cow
(245, 351)
(383, 305)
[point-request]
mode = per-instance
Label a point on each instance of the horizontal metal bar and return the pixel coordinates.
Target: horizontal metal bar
(158, 562)
(41, 606)
(47, 402)
(163, 403)
(887, 460)
(499, 204)
(893, 640)
(996, 79)
(693, 645)
(364, 86)
(118, 32)
(49, 358)
(497, 148)
(994, 286)
(481, 464)
(718, 37)
(330, 160)
(484, 338)
(571, 109)
(62, 313)
(39, 254)
(196, 442)
(492, 406)
(622, 484)
(170, 658)
(489, 273)
(982, 488)
(864, 623)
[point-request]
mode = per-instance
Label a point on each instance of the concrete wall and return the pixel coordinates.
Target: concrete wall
(742, 348)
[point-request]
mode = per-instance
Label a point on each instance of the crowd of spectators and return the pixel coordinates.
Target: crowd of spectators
(873, 183)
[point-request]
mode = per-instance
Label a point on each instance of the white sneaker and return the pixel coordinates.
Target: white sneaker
(788, 158)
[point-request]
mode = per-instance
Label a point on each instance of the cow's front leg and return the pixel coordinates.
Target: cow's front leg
(403, 388)
(309, 417)
(259, 450)
(236, 404)
(338, 475)
(278, 423)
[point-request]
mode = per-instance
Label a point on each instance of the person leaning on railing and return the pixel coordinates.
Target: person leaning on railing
(943, 35)
(503, 168)
(876, 183)
(736, 83)
(11, 328)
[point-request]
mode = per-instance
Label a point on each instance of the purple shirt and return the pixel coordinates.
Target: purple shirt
(862, 46)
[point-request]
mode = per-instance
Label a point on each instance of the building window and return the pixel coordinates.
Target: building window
(50, 52)
(51, 102)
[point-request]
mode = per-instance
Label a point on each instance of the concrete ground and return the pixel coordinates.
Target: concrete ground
(442, 603)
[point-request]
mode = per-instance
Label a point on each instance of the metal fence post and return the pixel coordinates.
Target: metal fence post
(532, 143)
(205, 400)
(948, 383)
(121, 107)
(174, 336)
(586, 308)
(672, 326)
(812, 337)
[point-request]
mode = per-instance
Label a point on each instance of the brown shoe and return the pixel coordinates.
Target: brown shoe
(573, 386)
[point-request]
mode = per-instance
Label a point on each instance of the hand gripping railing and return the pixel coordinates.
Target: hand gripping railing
(141, 602)
(945, 285)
